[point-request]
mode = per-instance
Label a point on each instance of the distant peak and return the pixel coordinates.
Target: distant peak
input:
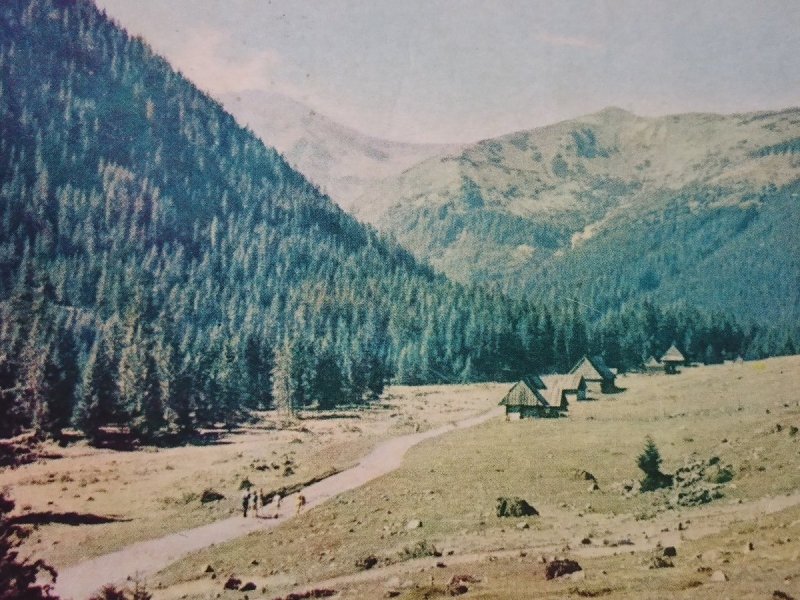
(615, 111)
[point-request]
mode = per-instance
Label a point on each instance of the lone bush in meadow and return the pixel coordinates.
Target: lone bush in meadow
(649, 461)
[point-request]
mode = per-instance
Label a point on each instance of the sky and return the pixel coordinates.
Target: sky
(463, 70)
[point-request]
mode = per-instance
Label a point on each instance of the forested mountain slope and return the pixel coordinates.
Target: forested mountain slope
(159, 264)
(161, 268)
(612, 208)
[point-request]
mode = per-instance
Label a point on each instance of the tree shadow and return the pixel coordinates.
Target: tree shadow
(66, 518)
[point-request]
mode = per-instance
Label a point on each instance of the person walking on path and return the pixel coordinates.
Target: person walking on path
(245, 502)
(301, 502)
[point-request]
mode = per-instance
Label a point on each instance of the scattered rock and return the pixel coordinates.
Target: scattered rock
(559, 568)
(392, 593)
(441, 565)
(779, 595)
(719, 576)
(660, 562)
(515, 507)
(594, 487)
(457, 590)
(523, 525)
(208, 569)
(585, 475)
(670, 551)
(749, 547)
(414, 524)
(367, 562)
(233, 583)
(248, 587)
(586, 541)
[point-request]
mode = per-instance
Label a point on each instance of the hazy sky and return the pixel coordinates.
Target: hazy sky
(460, 70)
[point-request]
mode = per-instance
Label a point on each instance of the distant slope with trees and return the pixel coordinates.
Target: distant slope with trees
(612, 208)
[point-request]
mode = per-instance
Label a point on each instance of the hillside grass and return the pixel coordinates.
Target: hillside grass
(742, 414)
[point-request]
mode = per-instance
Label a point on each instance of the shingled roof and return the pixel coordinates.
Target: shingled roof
(652, 363)
(673, 355)
(593, 368)
(524, 393)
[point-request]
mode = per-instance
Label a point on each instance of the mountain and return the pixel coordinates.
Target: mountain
(341, 160)
(161, 268)
(612, 208)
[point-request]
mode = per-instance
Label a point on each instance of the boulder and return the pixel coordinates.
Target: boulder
(233, 583)
(559, 568)
(719, 576)
(248, 587)
(414, 524)
(522, 525)
(515, 507)
(670, 551)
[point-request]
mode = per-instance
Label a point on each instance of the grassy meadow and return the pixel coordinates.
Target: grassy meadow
(743, 414)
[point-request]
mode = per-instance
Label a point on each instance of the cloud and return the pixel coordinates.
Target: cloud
(214, 62)
(569, 41)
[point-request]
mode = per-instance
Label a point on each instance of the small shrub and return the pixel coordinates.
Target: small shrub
(723, 475)
(367, 562)
(188, 497)
(20, 577)
(419, 550)
(246, 484)
(109, 592)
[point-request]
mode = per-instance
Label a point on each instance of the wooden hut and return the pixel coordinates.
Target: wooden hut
(652, 366)
(527, 399)
(597, 375)
(672, 359)
(572, 386)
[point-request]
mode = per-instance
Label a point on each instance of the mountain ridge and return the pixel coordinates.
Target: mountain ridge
(529, 199)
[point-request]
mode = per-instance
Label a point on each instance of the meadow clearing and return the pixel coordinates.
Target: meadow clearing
(744, 415)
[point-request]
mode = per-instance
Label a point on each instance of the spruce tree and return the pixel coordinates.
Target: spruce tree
(649, 461)
(99, 401)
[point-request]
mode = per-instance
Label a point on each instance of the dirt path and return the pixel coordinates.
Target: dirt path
(144, 558)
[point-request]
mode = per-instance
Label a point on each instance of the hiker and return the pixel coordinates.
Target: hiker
(255, 503)
(301, 502)
(277, 500)
(245, 502)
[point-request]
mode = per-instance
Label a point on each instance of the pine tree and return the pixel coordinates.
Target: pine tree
(99, 401)
(649, 461)
(284, 385)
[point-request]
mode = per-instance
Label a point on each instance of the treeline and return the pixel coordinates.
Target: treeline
(161, 269)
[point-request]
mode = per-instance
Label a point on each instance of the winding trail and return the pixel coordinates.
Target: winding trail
(145, 558)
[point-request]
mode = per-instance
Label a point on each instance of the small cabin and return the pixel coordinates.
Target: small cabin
(672, 359)
(652, 366)
(598, 377)
(527, 399)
